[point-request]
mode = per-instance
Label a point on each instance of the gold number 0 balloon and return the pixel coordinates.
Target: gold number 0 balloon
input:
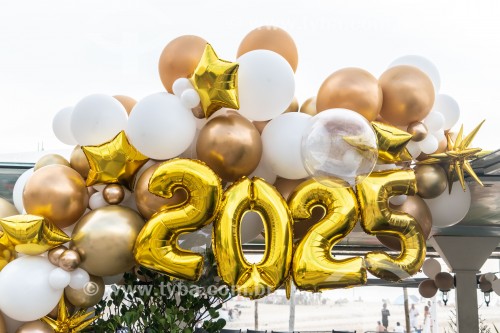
(253, 280)
(314, 268)
(377, 219)
(156, 247)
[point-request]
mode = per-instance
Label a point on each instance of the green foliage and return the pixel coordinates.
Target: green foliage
(151, 302)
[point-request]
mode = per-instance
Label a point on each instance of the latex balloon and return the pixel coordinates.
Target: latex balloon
(416, 207)
(273, 39)
(58, 193)
(264, 171)
(309, 106)
(378, 219)
(449, 108)
(157, 247)
(127, 102)
(17, 192)
(113, 194)
(460, 200)
(444, 281)
(7, 209)
(431, 268)
(260, 125)
(418, 130)
(69, 260)
(148, 203)
(24, 297)
(51, 159)
(79, 162)
(54, 254)
(36, 326)
(59, 278)
(339, 143)
(89, 295)
(496, 286)
(314, 268)
(408, 95)
(353, 89)
(294, 106)
(105, 240)
(79, 278)
(253, 280)
(485, 285)
(230, 145)
(97, 201)
(431, 180)
(61, 125)
(424, 64)
(434, 121)
(180, 58)
(427, 288)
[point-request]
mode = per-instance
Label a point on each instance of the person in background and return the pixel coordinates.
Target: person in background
(413, 317)
(380, 327)
(385, 316)
(399, 328)
(427, 320)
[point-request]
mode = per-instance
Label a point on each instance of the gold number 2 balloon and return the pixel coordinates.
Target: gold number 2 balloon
(253, 280)
(314, 268)
(377, 219)
(157, 245)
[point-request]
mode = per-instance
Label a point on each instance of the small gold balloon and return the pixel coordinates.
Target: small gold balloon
(198, 112)
(55, 254)
(353, 89)
(180, 58)
(427, 288)
(36, 326)
(57, 193)
(127, 102)
(148, 203)
(271, 38)
(294, 106)
(79, 162)
(309, 106)
(418, 130)
(230, 145)
(431, 180)
(408, 95)
(87, 297)
(444, 281)
(69, 260)
(259, 125)
(51, 159)
(113, 194)
(7, 209)
(3, 327)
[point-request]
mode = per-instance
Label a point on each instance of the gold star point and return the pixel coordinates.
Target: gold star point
(66, 323)
(215, 80)
(391, 142)
(113, 162)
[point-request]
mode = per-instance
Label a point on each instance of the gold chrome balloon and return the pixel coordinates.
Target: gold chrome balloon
(105, 240)
(431, 180)
(378, 219)
(87, 297)
(7, 209)
(353, 89)
(216, 81)
(253, 280)
(408, 95)
(113, 194)
(66, 323)
(69, 260)
(314, 268)
(3, 328)
(57, 193)
(55, 254)
(79, 162)
(309, 106)
(418, 130)
(36, 326)
(157, 246)
(116, 161)
(51, 159)
(127, 102)
(391, 143)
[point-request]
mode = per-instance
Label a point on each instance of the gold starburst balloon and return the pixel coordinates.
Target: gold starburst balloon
(457, 157)
(216, 82)
(113, 162)
(66, 323)
(30, 234)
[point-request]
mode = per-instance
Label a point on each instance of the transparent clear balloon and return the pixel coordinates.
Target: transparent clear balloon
(339, 143)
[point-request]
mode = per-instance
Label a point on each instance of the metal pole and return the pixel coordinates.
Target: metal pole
(407, 310)
(256, 315)
(291, 321)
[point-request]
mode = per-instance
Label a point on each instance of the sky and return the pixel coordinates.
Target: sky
(53, 53)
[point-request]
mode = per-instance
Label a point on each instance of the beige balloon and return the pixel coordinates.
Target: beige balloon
(37, 326)
(427, 288)
(113, 194)
(418, 130)
(7, 209)
(309, 106)
(127, 102)
(444, 281)
(89, 296)
(105, 240)
(79, 162)
(51, 159)
(57, 193)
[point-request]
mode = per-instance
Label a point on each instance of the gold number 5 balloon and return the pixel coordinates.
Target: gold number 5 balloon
(377, 219)
(314, 268)
(157, 245)
(253, 280)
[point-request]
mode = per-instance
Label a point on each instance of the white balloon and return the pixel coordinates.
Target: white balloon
(25, 292)
(266, 85)
(398, 200)
(264, 171)
(160, 127)
(190, 152)
(99, 187)
(59, 278)
(17, 192)
(434, 121)
(490, 277)
(414, 149)
(459, 200)
(96, 201)
(496, 286)
(449, 108)
(429, 145)
(281, 142)
(431, 267)
(79, 278)
(439, 135)
(190, 98)
(180, 85)
(61, 125)
(424, 64)
(97, 119)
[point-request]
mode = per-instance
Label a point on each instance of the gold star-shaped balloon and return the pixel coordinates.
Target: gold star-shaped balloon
(30, 234)
(391, 143)
(216, 82)
(113, 162)
(457, 157)
(66, 323)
